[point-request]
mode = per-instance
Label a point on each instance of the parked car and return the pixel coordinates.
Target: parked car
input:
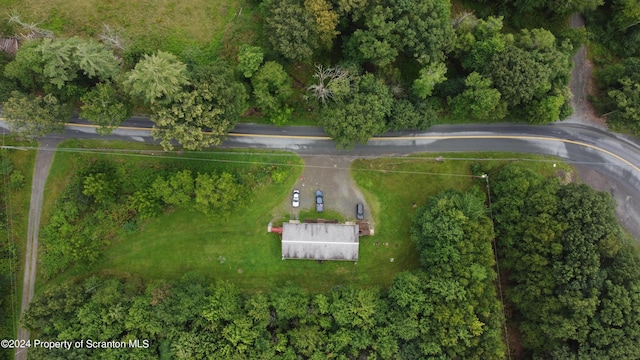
(359, 211)
(319, 201)
(296, 198)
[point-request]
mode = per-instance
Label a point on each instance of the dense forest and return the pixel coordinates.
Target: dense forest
(572, 273)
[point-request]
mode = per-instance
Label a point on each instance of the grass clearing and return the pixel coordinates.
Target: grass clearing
(238, 249)
(174, 25)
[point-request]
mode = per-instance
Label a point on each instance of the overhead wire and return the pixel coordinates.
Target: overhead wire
(179, 155)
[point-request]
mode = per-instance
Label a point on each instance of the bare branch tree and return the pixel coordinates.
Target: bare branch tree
(458, 20)
(32, 29)
(327, 77)
(112, 38)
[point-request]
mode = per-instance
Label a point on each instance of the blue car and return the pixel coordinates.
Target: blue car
(319, 201)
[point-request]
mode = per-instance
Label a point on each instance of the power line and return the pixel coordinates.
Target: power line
(178, 155)
(495, 254)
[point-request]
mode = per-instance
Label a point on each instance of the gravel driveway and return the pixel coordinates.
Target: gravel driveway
(332, 175)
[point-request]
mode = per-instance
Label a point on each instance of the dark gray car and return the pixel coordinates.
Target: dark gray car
(359, 211)
(319, 201)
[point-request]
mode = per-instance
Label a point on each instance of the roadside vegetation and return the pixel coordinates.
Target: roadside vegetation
(406, 65)
(16, 168)
(614, 44)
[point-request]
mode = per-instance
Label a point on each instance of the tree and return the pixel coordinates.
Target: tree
(26, 67)
(483, 40)
(157, 79)
(177, 190)
(331, 83)
(99, 187)
(518, 76)
(63, 59)
(627, 99)
(377, 43)
(290, 28)
(64, 68)
(201, 117)
(249, 59)
(213, 192)
(104, 106)
(35, 115)
(407, 115)
(326, 21)
(361, 115)
(271, 88)
(356, 8)
(626, 14)
(619, 85)
(419, 29)
(479, 100)
(430, 76)
(546, 110)
(423, 28)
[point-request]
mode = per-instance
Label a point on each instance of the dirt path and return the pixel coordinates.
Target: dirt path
(582, 85)
(44, 158)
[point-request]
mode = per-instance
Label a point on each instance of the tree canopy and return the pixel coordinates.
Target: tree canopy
(202, 116)
(564, 252)
(35, 115)
(104, 106)
(291, 29)
(360, 114)
(157, 78)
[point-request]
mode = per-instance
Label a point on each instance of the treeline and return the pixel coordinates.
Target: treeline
(614, 31)
(448, 309)
(573, 276)
(11, 180)
(407, 63)
(105, 200)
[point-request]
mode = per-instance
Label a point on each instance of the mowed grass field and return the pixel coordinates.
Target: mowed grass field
(171, 25)
(238, 248)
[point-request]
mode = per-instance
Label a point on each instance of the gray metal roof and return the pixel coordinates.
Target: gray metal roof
(320, 241)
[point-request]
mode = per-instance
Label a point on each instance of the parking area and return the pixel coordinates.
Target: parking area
(332, 175)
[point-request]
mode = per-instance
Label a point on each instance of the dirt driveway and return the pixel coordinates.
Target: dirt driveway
(332, 175)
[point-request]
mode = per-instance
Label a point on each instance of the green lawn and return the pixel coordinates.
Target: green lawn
(238, 248)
